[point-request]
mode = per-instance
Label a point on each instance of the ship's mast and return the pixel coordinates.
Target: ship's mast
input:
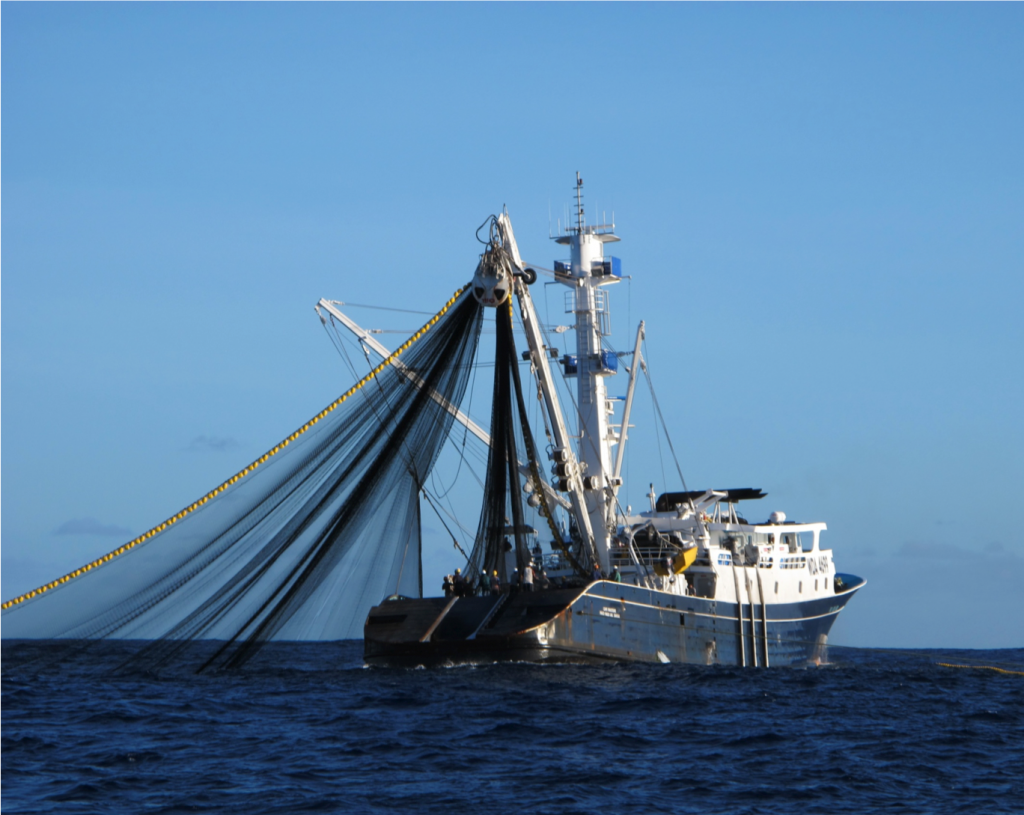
(589, 273)
(587, 476)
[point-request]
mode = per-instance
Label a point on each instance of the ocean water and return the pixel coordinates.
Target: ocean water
(307, 728)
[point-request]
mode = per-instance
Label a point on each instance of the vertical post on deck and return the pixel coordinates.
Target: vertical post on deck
(739, 616)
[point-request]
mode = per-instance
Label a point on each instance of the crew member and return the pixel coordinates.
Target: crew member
(528, 577)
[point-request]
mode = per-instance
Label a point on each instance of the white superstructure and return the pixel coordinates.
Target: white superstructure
(689, 579)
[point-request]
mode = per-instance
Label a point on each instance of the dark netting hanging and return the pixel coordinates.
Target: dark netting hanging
(297, 546)
(504, 535)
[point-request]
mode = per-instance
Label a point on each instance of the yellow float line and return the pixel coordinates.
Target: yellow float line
(239, 475)
(981, 668)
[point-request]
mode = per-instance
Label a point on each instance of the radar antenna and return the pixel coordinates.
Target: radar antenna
(579, 204)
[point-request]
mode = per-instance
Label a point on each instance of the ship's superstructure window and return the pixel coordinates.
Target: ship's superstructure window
(765, 563)
(724, 559)
(792, 562)
(776, 586)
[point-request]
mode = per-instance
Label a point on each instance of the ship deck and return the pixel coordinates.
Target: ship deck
(600, 622)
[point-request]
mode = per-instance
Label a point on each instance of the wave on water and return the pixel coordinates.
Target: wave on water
(306, 727)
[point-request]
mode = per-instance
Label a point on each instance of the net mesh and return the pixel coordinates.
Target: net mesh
(506, 527)
(299, 545)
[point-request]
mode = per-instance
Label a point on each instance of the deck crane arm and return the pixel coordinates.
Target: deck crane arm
(364, 336)
(637, 366)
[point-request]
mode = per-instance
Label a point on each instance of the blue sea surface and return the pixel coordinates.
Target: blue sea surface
(308, 728)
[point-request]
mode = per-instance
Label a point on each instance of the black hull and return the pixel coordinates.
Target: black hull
(600, 623)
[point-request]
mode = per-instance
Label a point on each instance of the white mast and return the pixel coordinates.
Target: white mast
(588, 273)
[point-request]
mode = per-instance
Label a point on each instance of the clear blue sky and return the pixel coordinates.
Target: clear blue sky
(822, 208)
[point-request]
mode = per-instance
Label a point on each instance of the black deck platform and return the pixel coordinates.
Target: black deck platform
(433, 629)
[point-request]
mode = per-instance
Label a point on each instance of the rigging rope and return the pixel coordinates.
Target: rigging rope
(451, 534)
(650, 384)
(378, 308)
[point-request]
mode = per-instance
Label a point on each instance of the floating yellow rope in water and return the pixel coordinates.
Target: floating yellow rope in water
(242, 473)
(981, 668)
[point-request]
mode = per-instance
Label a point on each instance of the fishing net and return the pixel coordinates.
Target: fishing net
(297, 546)
(506, 535)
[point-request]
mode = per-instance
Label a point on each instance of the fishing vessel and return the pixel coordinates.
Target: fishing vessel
(302, 542)
(688, 579)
